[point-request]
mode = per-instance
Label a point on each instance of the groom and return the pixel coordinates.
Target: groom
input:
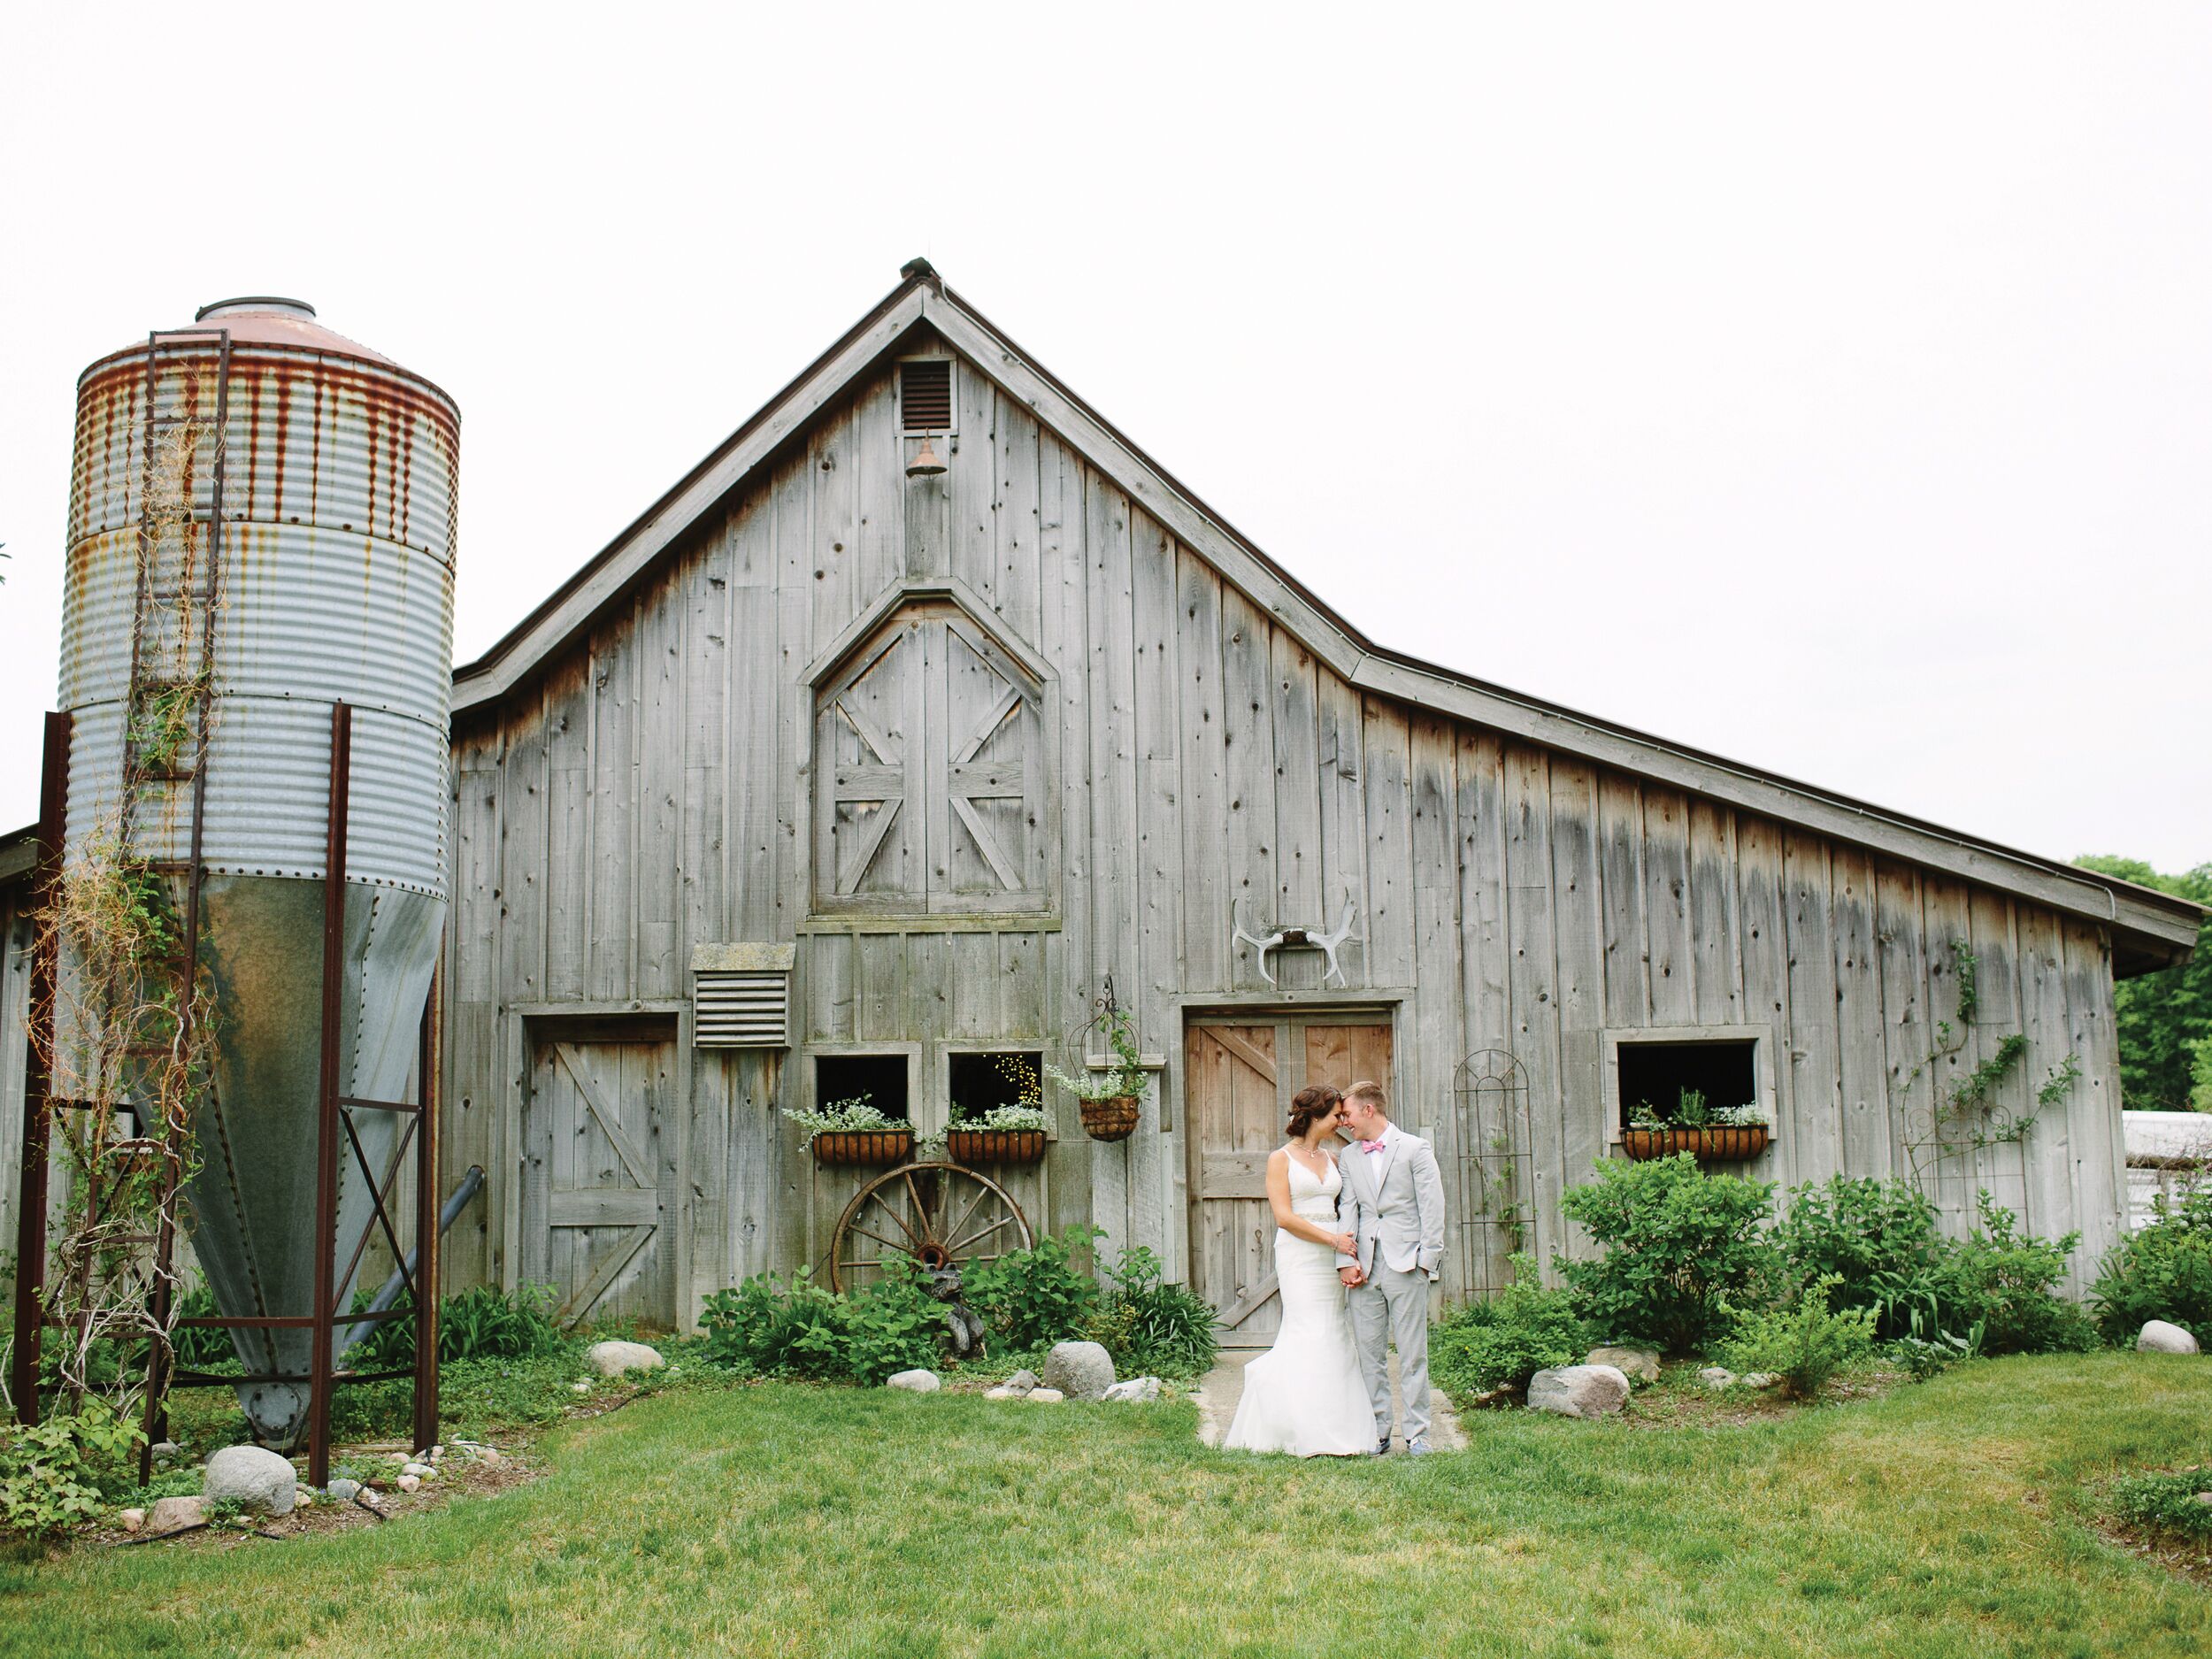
(1391, 1202)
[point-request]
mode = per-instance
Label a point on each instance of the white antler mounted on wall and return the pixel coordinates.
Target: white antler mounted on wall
(1310, 938)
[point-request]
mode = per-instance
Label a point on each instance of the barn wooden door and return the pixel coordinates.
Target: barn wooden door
(1239, 1074)
(601, 1198)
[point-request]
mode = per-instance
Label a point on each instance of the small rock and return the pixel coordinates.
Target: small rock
(485, 1454)
(2204, 1498)
(1045, 1396)
(1002, 1392)
(2159, 1337)
(252, 1476)
(417, 1469)
(1763, 1379)
(344, 1491)
(1578, 1391)
(131, 1520)
(612, 1359)
(1081, 1371)
(1638, 1365)
(401, 1457)
(915, 1382)
(579, 1388)
(175, 1515)
(168, 1451)
(1491, 1398)
(436, 1452)
(1021, 1382)
(304, 1498)
(1136, 1391)
(409, 1483)
(1717, 1377)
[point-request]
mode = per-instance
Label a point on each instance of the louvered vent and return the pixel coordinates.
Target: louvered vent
(926, 394)
(741, 996)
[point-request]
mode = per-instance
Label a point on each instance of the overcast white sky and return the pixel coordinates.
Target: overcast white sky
(1828, 390)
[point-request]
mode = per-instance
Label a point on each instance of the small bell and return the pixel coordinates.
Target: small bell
(927, 462)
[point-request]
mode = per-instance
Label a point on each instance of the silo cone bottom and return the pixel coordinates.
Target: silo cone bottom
(252, 1203)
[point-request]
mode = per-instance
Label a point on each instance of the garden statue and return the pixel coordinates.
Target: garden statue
(964, 1329)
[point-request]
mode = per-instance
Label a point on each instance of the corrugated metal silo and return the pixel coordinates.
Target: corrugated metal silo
(334, 581)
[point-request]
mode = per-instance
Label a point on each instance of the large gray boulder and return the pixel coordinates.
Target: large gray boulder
(917, 1382)
(612, 1359)
(253, 1476)
(1638, 1365)
(1081, 1371)
(1578, 1391)
(2158, 1337)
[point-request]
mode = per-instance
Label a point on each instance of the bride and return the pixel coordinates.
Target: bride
(1306, 1395)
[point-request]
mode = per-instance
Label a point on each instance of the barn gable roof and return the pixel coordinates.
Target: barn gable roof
(2151, 929)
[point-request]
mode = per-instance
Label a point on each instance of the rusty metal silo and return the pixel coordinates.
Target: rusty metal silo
(270, 506)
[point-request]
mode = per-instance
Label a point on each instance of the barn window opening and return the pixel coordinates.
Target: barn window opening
(879, 1079)
(1657, 1075)
(980, 1083)
(926, 394)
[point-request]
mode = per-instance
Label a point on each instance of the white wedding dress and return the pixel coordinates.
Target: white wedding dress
(1306, 1395)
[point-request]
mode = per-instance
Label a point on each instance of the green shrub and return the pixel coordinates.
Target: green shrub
(1878, 1239)
(1151, 1328)
(895, 1325)
(2000, 1279)
(482, 1322)
(2162, 1272)
(2165, 1502)
(1679, 1244)
(1525, 1329)
(796, 1328)
(52, 1474)
(1030, 1298)
(1805, 1345)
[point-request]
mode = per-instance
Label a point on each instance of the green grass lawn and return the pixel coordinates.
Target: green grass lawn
(1949, 1518)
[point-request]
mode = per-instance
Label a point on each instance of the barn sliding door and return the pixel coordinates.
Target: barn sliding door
(1239, 1077)
(601, 1200)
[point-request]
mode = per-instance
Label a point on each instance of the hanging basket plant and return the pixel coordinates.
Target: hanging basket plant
(855, 1132)
(1725, 1135)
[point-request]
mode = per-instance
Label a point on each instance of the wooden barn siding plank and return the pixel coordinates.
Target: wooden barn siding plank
(1714, 949)
(15, 1033)
(1669, 964)
(568, 868)
(2002, 1168)
(1155, 1186)
(1437, 1036)
(525, 835)
(1908, 1030)
(878, 465)
(793, 573)
(1206, 942)
(1016, 584)
(1861, 1060)
(1342, 777)
(1620, 871)
(1111, 608)
(1386, 741)
(834, 473)
(1533, 973)
(2092, 1109)
(1298, 897)
(709, 732)
(1483, 950)
(2052, 1197)
(660, 787)
(1578, 1144)
(1761, 906)
(1247, 845)
(475, 916)
(1949, 920)
(1817, 1090)
(973, 480)
(610, 917)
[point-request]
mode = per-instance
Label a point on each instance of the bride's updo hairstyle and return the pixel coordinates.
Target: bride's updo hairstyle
(1311, 1104)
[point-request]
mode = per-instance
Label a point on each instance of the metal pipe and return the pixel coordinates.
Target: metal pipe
(321, 1360)
(472, 1184)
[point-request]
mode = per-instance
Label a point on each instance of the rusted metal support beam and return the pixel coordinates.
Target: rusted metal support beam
(429, 1222)
(30, 1220)
(324, 1337)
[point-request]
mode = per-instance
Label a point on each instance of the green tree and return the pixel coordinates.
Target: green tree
(2165, 1019)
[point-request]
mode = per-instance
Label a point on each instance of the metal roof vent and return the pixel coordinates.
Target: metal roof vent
(254, 303)
(926, 394)
(741, 996)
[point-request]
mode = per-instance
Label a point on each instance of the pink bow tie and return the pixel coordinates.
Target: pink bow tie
(1371, 1146)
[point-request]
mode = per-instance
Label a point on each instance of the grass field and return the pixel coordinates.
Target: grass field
(1952, 1518)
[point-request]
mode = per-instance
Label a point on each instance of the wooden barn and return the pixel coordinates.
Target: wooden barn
(833, 776)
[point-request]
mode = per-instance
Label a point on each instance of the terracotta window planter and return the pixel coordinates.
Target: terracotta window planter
(1110, 1119)
(864, 1146)
(1726, 1144)
(995, 1146)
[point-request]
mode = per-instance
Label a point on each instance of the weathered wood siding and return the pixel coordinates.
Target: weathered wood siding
(650, 793)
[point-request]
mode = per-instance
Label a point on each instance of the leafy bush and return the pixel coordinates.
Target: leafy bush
(797, 1328)
(1928, 1348)
(2000, 1279)
(1151, 1328)
(1505, 1341)
(1036, 1297)
(52, 1473)
(482, 1322)
(1679, 1244)
(2165, 1502)
(1806, 1345)
(2162, 1272)
(1879, 1241)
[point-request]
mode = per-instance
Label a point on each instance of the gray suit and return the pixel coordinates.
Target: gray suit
(1391, 1202)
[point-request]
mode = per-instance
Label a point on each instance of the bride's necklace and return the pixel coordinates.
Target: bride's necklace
(1297, 1150)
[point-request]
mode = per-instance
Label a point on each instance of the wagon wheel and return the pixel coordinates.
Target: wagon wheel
(942, 1215)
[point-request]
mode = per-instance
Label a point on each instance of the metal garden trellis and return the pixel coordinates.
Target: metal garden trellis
(1491, 1140)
